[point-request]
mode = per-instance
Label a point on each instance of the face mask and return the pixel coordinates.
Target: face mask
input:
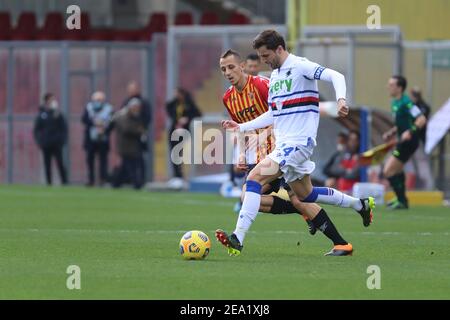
(54, 105)
(340, 147)
(97, 105)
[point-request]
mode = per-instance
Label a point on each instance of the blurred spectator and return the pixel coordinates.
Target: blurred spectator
(422, 160)
(341, 144)
(134, 92)
(145, 116)
(181, 110)
(252, 64)
(96, 118)
(129, 131)
(345, 166)
(50, 133)
(416, 98)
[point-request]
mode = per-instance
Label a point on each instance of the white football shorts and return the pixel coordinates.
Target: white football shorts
(294, 159)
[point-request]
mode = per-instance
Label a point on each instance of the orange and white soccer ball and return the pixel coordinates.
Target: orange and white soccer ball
(195, 245)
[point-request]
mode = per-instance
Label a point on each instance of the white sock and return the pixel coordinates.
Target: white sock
(333, 197)
(248, 213)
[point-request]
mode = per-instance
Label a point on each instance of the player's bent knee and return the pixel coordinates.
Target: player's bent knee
(255, 177)
(388, 171)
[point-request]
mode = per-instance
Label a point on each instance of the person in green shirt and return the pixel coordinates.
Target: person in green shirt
(408, 121)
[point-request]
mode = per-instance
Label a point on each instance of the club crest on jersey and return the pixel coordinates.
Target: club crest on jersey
(251, 96)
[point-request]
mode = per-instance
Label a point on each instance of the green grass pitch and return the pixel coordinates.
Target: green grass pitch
(126, 245)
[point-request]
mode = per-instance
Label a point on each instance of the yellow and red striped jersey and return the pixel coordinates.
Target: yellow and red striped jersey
(248, 104)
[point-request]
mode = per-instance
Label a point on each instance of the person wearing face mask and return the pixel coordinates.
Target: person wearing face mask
(96, 118)
(335, 160)
(50, 134)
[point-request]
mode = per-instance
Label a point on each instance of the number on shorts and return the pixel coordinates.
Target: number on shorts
(287, 151)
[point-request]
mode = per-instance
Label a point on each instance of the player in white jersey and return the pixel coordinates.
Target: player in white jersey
(294, 113)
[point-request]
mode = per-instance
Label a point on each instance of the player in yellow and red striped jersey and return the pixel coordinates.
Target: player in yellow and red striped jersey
(245, 100)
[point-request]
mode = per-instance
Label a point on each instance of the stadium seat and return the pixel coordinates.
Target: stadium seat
(238, 18)
(101, 34)
(81, 34)
(53, 27)
(184, 18)
(26, 28)
(5, 26)
(126, 35)
(157, 22)
(209, 18)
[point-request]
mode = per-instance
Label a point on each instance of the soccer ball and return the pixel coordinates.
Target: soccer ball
(194, 245)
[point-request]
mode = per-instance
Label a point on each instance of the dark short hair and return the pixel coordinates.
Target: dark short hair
(253, 57)
(231, 52)
(269, 38)
(47, 96)
(401, 81)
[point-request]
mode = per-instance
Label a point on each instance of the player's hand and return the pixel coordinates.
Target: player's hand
(342, 107)
(241, 168)
(388, 135)
(230, 124)
(406, 136)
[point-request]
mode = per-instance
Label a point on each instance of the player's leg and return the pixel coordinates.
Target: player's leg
(320, 220)
(307, 193)
(276, 205)
(267, 200)
(393, 171)
(264, 172)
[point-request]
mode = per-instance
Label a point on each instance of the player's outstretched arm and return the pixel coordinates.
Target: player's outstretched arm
(340, 88)
(264, 120)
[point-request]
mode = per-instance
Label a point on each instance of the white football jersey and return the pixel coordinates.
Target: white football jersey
(294, 100)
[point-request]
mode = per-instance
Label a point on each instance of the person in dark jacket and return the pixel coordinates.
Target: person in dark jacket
(50, 134)
(332, 178)
(181, 110)
(145, 116)
(417, 99)
(129, 132)
(96, 118)
(345, 166)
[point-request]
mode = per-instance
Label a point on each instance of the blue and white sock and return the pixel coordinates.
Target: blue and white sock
(334, 197)
(249, 209)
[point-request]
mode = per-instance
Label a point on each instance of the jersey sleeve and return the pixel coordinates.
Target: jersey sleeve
(225, 99)
(262, 85)
(310, 70)
(414, 110)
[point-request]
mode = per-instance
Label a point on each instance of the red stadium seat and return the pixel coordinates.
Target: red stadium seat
(184, 18)
(126, 35)
(101, 34)
(53, 27)
(79, 34)
(238, 18)
(5, 26)
(144, 34)
(157, 22)
(26, 28)
(209, 18)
